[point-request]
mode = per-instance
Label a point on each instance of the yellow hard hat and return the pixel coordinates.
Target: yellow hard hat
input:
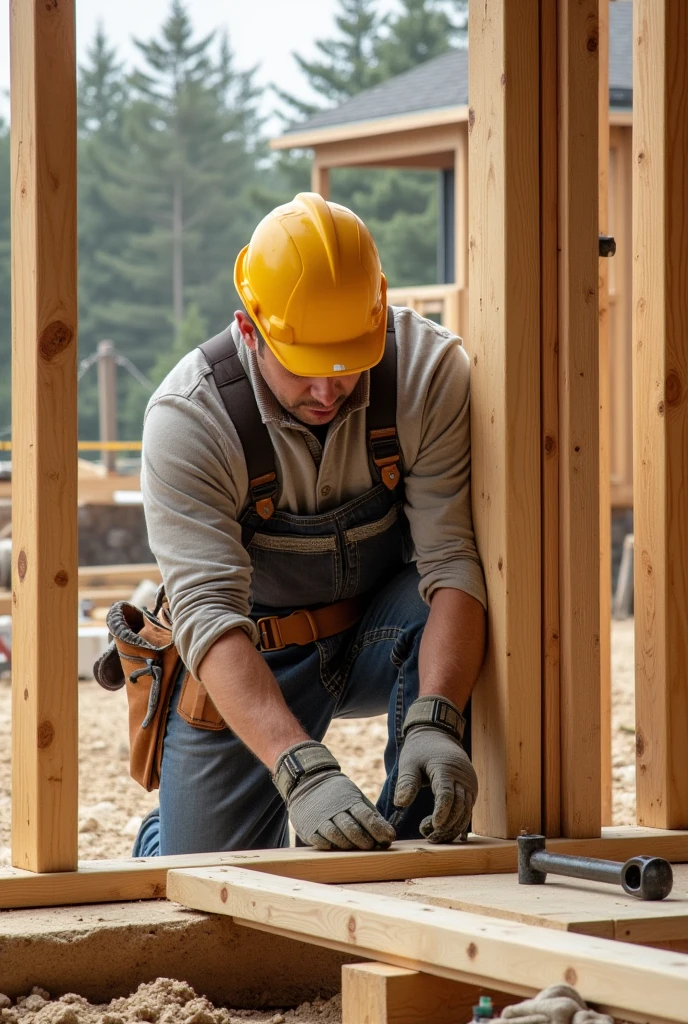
(311, 280)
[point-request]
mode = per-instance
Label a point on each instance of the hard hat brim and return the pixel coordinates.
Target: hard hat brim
(332, 360)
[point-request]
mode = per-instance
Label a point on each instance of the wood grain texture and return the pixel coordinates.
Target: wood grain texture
(379, 993)
(504, 333)
(579, 418)
(145, 878)
(660, 408)
(450, 943)
(371, 129)
(605, 572)
(568, 904)
(44, 432)
(549, 429)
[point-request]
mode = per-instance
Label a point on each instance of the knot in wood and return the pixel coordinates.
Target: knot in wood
(351, 928)
(570, 976)
(54, 339)
(472, 951)
(673, 388)
(45, 735)
(639, 744)
(471, 118)
(223, 894)
(22, 564)
(62, 578)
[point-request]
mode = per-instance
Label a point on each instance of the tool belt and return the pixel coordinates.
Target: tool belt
(143, 657)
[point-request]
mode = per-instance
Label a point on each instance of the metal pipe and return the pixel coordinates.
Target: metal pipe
(647, 878)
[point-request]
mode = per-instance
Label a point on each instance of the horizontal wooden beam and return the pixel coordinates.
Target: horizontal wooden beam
(118, 575)
(99, 597)
(92, 490)
(370, 129)
(420, 144)
(453, 944)
(143, 878)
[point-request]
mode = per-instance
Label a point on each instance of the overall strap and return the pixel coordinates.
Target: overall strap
(239, 400)
(381, 414)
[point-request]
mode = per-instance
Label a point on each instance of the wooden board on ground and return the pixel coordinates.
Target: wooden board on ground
(568, 904)
(508, 955)
(145, 878)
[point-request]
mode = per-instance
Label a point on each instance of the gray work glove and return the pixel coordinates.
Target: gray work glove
(328, 811)
(432, 755)
(558, 1004)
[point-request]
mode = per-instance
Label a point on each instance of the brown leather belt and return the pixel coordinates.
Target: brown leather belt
(304, 626)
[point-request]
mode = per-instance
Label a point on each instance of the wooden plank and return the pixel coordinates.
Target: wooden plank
(660, 345)
(100, 598)
(118, 575)
(579, 418)
(549, 402)
(44, 432)
(450, 943)
(605, 572)
(378, 993)
(145, 878)
(370, 129)
(461, 209)
(91, 490)
(565, 904)
(420, 147)
(504, 335)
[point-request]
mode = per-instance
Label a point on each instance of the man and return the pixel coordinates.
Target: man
(306, 481)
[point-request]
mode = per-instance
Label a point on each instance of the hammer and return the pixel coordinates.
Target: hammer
(648, 878)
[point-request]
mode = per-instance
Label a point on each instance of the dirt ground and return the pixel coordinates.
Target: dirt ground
(111, 807)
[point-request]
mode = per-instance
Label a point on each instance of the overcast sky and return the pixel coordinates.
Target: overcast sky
(261, 32)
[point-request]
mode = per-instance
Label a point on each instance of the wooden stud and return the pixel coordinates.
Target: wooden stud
(579, 418)
(461, 208)
(44, 431)
(453, 944)
(549, 399)
(378, 993)
(320, 178)
(504, 343)
(605, 429)
(145, 878)
(660, 408)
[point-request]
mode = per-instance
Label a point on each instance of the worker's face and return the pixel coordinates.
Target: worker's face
(313, 400)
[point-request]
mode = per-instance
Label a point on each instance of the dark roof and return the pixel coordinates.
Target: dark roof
(443, 82)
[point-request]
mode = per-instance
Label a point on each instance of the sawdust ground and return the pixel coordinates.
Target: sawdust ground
(162, 1001)
(112, 805)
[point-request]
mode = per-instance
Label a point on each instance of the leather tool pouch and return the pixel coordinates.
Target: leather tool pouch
(143, 658)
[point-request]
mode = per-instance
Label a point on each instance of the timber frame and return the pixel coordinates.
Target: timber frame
(532, 135)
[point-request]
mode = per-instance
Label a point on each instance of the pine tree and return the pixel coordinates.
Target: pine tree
(190, 148)
(423, 29)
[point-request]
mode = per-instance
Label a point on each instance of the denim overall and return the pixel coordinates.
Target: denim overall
(214, 793)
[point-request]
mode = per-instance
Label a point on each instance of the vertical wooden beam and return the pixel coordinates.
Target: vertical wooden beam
(320, 178)
(660, 407)
(504, 269)
(549, 398)
(605, 430)
(44, 428)
(461, 208)
(579, 418)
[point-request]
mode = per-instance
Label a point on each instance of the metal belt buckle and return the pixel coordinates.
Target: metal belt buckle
(270, 636)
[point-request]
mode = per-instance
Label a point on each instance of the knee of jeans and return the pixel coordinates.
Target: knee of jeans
(407, 645)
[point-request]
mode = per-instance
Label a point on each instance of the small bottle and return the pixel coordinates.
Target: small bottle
(484, 1010)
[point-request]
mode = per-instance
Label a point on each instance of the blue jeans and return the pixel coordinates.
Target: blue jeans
(215, 795)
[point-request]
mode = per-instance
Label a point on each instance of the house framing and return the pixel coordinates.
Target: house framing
(533, 339)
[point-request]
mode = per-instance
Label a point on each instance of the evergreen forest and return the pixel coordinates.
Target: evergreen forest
(175, 171)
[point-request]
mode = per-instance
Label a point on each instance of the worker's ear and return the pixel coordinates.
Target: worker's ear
(246, 329)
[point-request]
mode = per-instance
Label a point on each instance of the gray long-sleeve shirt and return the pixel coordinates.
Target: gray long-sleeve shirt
(195, 483)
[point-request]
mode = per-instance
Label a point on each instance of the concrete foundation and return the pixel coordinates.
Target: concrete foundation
(105, 950)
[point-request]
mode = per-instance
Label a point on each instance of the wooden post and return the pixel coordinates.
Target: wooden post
(504, 334)
(461, 208)
(44, 433)
(605, 431)
(660, 408)
(379, 993)
(549, 398)
(107, 400)
(579, 418)
(320, 178)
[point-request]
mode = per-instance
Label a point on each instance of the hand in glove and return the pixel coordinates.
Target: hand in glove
(328, 811)
(558, 1004)
(432, 755)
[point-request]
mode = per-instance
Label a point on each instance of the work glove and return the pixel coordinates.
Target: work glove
(432, 755)
(558, 1004)
(328, 811)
